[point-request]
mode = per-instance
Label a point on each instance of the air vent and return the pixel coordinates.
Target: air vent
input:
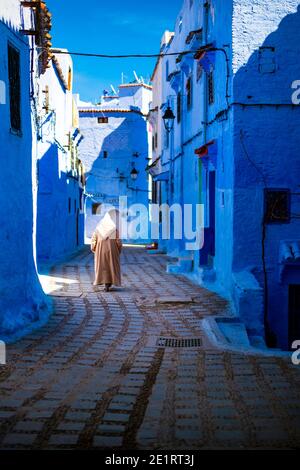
(179, 342)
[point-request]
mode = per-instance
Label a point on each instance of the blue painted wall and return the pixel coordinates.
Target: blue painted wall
(60, 219)
(256, 145)
(22, 301)
(266, 148)
(60, 200)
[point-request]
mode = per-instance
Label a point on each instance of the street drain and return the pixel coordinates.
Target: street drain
(179, 342)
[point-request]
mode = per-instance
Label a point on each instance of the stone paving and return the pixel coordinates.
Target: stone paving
(95, 376)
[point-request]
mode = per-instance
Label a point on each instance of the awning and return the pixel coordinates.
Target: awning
(204, 151)
(162, 176)
(208, 154)
(206, 56)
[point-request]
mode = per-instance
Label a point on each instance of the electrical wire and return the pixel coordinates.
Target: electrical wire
(269, 335)
(259, 171)
(123, 56)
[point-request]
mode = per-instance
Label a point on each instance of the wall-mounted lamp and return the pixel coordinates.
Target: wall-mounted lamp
(134, 174)
(168, 119)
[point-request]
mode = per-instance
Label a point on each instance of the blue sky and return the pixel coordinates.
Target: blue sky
(115, 27)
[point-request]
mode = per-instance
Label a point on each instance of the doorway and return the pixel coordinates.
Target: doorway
(294, 313)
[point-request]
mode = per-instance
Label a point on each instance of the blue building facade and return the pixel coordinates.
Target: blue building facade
(60, 174)
(115, 151)
(234, 149)
(22, 301)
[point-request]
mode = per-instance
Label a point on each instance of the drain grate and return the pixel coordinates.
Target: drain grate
(179, 342)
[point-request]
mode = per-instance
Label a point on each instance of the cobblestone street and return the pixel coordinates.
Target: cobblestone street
(97, 375)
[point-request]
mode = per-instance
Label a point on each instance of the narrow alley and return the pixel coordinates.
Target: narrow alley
(102, 373)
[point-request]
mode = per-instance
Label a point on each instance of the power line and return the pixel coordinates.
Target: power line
(120, 56)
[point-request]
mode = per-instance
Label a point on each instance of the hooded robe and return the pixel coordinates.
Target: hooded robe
(107, 246)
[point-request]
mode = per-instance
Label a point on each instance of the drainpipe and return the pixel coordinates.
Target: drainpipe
(206, 7)
(171, 177)
(182, 122)
(205, 113)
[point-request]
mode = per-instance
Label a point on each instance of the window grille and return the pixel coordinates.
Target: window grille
(277, 206)
(211, 86)
(189, 91)
(14, 88)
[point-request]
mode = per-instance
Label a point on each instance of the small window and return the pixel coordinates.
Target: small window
(155, 140)
(102, 120)
(277, 206)
(266, 60)
(167, 70)
(211, 88)
(154, 192)
(105, 153)
(222, 199)
(46, 99)
(294, 309)
(96, 207)
(14, 88)
(189, 90)
(75, 206)
(69, 205)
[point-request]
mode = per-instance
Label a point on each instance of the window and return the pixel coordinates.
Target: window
(167, 70)
(178, 107)
(75, 206)
(154, 192)
(266, 60)
(155, 140)
(69, 205)
(105, 153)
(211, 87)
(222, 199)
(102, 120)
(189, 90)
(294, 309)
(96, 207)
(46, 99)
(277, 206)
(14, 88)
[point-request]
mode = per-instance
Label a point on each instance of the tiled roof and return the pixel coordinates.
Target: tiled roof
(59, 72)
(109, 110)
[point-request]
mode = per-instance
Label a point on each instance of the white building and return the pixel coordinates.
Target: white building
(115, 150)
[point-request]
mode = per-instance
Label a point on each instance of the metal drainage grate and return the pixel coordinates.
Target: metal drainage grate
(179, 342)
